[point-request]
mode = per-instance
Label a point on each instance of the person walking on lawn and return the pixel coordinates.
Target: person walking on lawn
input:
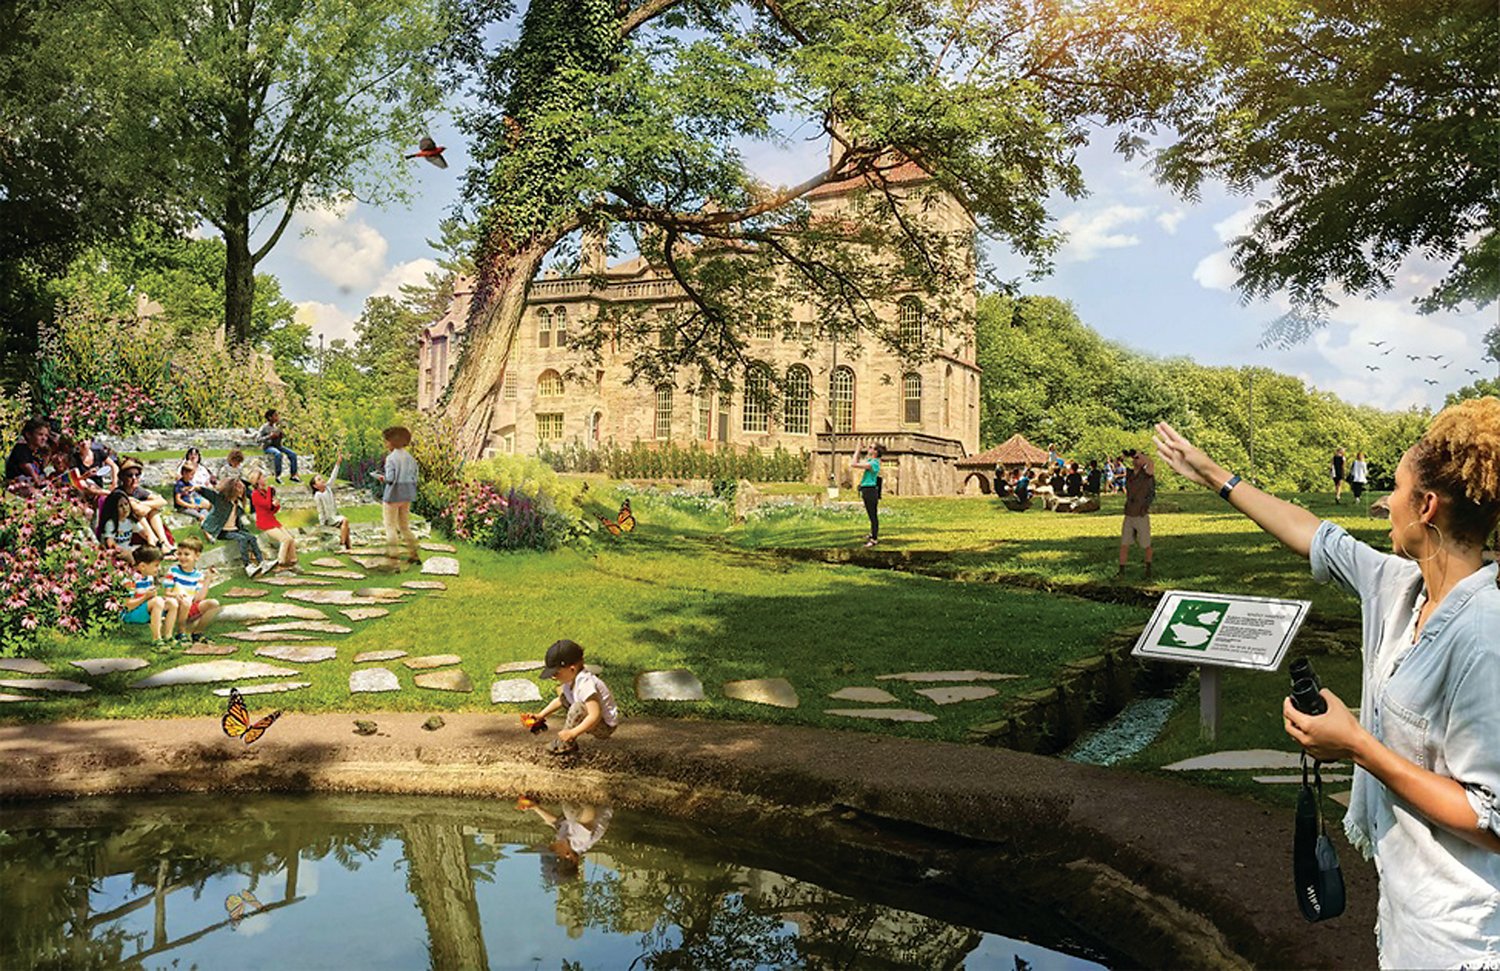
(400, 479)
(1140, 490)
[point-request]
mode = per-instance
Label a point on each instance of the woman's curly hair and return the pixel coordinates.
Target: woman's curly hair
(1458, 457)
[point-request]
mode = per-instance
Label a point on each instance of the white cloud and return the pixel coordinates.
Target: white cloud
(347, 251)
(1215, 272)
(1170, 219)
(1091, 234)
(326, 319)
(412, 272)
(1237, 223)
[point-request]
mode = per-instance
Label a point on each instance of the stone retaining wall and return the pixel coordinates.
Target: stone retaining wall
(181, 439)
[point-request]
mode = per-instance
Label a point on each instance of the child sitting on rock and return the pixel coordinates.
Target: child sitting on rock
(146, 605)
(591, 706)
(187, 583)
(328, 508)
(185, 495)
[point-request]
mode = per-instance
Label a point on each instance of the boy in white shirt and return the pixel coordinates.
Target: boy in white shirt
(590, 704)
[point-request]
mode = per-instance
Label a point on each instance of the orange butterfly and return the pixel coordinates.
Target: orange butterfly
(625, 524)
(240, 905)
(237, 719)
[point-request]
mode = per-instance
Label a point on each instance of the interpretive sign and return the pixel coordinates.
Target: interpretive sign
(1221, 629)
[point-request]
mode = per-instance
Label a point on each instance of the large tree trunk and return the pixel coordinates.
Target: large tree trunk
(239, 282)
(438, 875)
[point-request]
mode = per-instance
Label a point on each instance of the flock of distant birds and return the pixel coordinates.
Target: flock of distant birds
(1416, 357)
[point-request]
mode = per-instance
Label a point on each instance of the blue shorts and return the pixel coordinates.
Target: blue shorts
(140, 614)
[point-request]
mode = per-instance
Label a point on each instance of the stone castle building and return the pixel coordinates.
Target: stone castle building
(924, 413)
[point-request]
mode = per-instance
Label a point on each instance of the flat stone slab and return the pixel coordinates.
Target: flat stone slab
(46, 684)
(273, 687)
(948, 676)
(432, 661)
(513, 691)
(871, 696)
(211, 649)
(207, 672)
(676, 685)
(957, 693)
(364, 613)
(296, 581)
(424, 585)
(439, 547)
(247, 613)
(1287, 780)
(331, 562)
(1342, 798)
(510, 667)
(885, 714)
(386, 594)
(316, 626)
(378, 656)
(10, 697)
(441, 566)
(777, 692)
(372, 680)
(342, 597)
(253, 635)
(1253, 758)
(336, 574)
(298, 654)
(370, 562)
(453, 679)
(23, 665)
(110, 665)
(243, 592)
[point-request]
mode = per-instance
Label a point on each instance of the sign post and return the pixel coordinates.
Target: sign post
(1213, 631)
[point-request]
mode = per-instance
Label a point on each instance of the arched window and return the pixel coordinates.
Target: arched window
(911, 395)
(560, 325)
(948, 396)
(841, 398)
(753, 415)
(798, 400)
(911, 322)
(549, 385)
(663, 412)
(543, 328)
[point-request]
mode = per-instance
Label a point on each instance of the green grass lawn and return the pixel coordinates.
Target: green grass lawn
(177, 453)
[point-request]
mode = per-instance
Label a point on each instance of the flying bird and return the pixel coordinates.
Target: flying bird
(1446, 366)
(1386, 353)
(1413, 357)
(1434, 357)
(1429, 381)
(431, 151)
(1377, 343)
(1469, 370)
(1371, 367)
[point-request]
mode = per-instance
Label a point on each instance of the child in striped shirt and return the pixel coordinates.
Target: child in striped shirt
(145, 605)
(187, 584)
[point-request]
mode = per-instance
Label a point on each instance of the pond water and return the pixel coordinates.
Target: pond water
(368, 882)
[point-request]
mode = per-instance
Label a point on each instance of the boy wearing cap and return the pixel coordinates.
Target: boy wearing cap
(591, 706)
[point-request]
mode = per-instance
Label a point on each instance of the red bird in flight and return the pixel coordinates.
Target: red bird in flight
(431, 151)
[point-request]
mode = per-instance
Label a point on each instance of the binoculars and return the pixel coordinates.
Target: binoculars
(1306, 689)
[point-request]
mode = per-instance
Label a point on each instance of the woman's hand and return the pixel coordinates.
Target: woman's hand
(1334, 735)
(1187, 459)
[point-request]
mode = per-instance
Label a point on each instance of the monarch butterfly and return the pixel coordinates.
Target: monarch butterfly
(625, 524)
(237, 719)
(237, 903)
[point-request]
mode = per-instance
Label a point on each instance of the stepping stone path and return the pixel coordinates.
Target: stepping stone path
(1254, 758)
(677, 685)
(253, 612)
(337, 574)
(452, 680)
(370, 562)
(378, 656)
(110, 665)
(23, 665)
(764, 691)
(438, 547)
(948, 676)
(243, 592)
(510, 667)
(297, 654)
(514, 691)
(441, 566)
(346, 597)
(253, 635)
(372, 680)
(317, 626)
(364, 613)
(331, 562)
(424, 585)
(296, 581)
(431, 661)
(885, 714)
(274, 687)
(46, 684)
(10, 697)
(873, 696)
(207, 672)
(211, 649)
(962, 692)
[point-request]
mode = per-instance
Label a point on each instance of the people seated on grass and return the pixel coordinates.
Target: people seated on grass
(226, 520)
(189, 586)
(263, 501)
(93, 470)
(400, 478)
(1073, 481)
(146, 604)
(328, 509)
(1093, 482)
(185, 497)
(1023, 486)
(201, 475)
(590, 704)
(1003, 481)
(126, 520)
(272, 438)
(25, 465)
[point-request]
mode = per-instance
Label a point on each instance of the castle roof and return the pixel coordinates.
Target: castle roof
(1015, 450)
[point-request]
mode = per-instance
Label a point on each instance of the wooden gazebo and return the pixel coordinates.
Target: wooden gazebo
(1013, 453)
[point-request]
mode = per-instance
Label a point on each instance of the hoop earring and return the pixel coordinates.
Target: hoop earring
(1435, 528)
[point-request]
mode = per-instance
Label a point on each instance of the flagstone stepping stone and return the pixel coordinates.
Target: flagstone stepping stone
(23, 665)
(885, 714)
(438, 547)
(378, 656)
(272, 687)
(948, 676)
(777, 692)
(383, 593)
(510, 667)
(337, 574)
(962, 692)
(243, 592)
(453, 679)
(251, 635)
(372, 680)
(1342, 798)
(1286, 780)
(364, 613)
(367, 550)
(873, 696)
(317, 626)
(431, 661)
(298, 653)
(110, 665)
(259, 612)
(211, 649)
(207, 672)
(676, 685)
(296, 581)
(10, 697)
(46, 684)
(331, 562)
(1254, 758)
(440, 566)
(513, 691)
(347, 597)
(424, 585)
(370, 562)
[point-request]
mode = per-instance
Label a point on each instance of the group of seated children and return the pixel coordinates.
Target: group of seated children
(179, 601)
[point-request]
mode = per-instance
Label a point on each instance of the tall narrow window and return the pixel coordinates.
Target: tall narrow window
(549, 426)
(705, 414)
(948, 396)
(663, 412)
(754, 413)
(764, 330)
(508, 386)
(549, 385)
(560, 326)
(543, 328)
(798, 400)
(911, 395)
(841, 398)
(440, 345)
(911, 322)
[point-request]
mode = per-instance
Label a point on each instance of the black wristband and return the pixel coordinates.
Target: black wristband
(1228, 487)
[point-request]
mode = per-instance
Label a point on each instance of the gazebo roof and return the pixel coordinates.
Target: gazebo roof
(1015, 450)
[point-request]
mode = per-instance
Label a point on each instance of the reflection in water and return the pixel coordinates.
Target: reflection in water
(385, 882)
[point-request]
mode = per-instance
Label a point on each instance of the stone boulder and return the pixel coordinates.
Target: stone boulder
(1381, 508)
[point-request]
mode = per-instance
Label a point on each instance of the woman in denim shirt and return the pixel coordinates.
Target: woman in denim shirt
(1426, 745)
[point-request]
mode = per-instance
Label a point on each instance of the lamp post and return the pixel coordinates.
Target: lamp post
(1252, 425)
(833, 425)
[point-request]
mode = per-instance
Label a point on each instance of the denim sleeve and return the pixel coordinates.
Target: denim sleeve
(1472, 743)
(1337, 556)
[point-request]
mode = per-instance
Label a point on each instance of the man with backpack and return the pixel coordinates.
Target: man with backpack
(1140, 492)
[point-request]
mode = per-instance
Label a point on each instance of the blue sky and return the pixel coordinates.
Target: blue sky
(1142, 267)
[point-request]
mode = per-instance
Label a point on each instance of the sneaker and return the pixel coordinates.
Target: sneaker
(870, 542)
(296, 479)
(183, 638)
(199, 639)
(161, 645)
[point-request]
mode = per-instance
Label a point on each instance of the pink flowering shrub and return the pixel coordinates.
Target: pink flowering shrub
(113, 409)
(51, 575)
(482, 514)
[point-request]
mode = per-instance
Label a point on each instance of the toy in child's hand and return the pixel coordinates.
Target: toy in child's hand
(524, 803)
(534, 724)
